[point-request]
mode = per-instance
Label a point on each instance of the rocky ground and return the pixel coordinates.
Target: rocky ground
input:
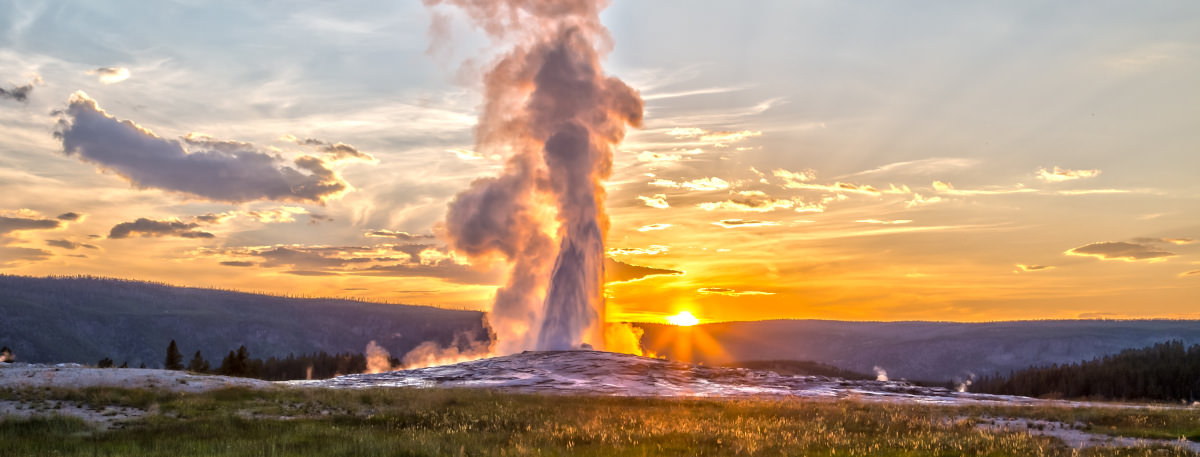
(73, 376)
(561, 372)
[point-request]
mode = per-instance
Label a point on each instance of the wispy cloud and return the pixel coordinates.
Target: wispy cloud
(617, 271)
(1120, 250)
(749, 201)
(790, 177)
(730, 292)
(741, 223)
(335, 151)
(1062, 174)
(9, 224)
(647, 228)
(656, 201)
(402, 236)
(922, 166)
(1030, 268)
(651, 156)
(381, 260)
(67, 244)
(920, 200)
(153, 228)
(698, 184)
(948, 189)
(654, 249)
(110, 75)
(883, 222)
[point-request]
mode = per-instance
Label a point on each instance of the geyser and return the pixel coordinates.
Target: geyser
(551, 110)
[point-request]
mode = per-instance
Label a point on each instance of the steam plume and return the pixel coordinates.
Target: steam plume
(378, 359)
(556, 116)
(880, 374)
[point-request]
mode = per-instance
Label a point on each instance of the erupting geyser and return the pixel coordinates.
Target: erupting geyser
(556, 117)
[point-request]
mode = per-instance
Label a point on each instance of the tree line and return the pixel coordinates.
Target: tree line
(1168, 371)
(317, 365)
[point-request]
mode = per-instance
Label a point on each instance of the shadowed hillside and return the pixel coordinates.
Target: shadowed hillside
(82, 319)
(932, 351)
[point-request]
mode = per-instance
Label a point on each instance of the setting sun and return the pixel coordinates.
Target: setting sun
(683, 319)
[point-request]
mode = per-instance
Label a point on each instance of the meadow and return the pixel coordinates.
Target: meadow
(467, 422)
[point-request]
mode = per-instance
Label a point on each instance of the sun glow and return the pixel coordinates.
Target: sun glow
(683, 319)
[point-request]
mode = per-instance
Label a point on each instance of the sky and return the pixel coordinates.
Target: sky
(951, 161)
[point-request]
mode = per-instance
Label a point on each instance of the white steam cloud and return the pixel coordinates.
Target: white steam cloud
(556, 116)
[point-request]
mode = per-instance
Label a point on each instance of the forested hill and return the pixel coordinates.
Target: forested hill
(1167, 371)
(924, 351)
(85, 319)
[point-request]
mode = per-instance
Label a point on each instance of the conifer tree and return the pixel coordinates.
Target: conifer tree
(198, 364)
(174, 359)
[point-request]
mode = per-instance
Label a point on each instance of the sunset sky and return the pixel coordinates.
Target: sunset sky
(958, 161)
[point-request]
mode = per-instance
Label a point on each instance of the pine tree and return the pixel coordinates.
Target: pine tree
(198, 364)
(174, 357)
(228, 365)
(105, 363)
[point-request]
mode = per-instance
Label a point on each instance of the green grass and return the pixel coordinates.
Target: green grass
(1156, 422)
(433, 422)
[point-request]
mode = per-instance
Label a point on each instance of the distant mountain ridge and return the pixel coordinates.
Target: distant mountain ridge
(84, 319)
(927, 351)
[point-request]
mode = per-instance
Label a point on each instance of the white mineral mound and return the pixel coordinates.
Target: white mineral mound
(607, 373)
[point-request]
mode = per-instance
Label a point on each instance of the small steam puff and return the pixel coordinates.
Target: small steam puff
(557, 117)
(962, 383)
(880, 373)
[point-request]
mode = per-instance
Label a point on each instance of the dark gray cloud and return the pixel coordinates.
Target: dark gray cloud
(211, 218)
(1120, 250)
(151, 228)
(71, 217)
(617, 271)
(235, 263)
(18, 93)
(317, 218)
(14, 224)
(67, 244)
(402, 236)
(413, 250)
(228, 171)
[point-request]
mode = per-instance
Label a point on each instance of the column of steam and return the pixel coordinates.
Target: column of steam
(557, 116)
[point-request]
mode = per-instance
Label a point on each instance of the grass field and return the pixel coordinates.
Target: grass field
(419, 422)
